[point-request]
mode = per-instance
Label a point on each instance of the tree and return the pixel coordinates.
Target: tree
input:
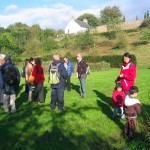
(111, 16)
(36, 32)
(21, 34)
(146, 23)
(145, 34)
(124, 19)
(84, 40)
(147, 14)
(7, 42)
(93, 21)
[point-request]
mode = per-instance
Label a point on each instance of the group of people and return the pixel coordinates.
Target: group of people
(59, 79)
(124, 96)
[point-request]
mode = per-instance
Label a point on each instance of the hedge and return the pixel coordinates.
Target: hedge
(115, 61)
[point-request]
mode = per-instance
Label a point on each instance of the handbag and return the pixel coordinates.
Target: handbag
(31, 79)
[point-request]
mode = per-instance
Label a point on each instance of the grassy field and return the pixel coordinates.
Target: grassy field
(85, 124)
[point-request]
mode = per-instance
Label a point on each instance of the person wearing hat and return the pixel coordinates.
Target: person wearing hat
(1, 79)
(118, 97)
(11, 80)
(128, 73)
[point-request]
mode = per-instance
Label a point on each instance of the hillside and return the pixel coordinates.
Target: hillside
(104, 46)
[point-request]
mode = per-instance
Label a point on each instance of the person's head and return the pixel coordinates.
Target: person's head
(2, 61)
(126, 58)
(38, 61)
(31, 60)
(134, 91)
(79, 57)
(56, 57)
(7, 58)
(65, 59)
(118, 86)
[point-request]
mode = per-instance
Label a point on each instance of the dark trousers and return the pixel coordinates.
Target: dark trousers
(39, 93)
(68, 84)
(57, 95)
(130, 128)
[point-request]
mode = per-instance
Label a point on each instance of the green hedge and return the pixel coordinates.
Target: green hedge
(115, 61)
(101, 66)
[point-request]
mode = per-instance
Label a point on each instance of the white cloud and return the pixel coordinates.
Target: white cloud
(11, 7)
(58, 15)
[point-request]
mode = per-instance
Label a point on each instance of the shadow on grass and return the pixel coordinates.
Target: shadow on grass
(36, 128)
(104, 103)
(76, 88)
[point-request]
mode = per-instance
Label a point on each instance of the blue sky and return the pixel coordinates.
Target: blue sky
(57, 13)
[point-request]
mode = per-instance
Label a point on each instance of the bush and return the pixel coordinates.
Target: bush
(99, 66)
(84, 40)
(121, 40)
(145, 34)
(146, 23)
(115, 61)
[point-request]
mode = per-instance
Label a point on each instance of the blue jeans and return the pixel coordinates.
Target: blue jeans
(116, 109)
(57, 95)
(83, 87)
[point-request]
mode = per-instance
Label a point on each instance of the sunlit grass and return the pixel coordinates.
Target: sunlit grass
(84, 123)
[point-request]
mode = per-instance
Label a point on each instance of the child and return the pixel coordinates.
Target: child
(132, 108)
(118, 97)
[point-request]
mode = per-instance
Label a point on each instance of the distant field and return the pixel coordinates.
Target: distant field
(85, 124)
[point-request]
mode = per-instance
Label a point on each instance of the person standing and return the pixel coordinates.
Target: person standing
(81, 74)
(28, 68)
(57, 77)
(11, 79)
(38, 74)
(132, 109)
(69, 67)
(127, 74)
(2, 56)
(118, 97)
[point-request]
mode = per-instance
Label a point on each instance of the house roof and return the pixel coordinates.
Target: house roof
(82, 24)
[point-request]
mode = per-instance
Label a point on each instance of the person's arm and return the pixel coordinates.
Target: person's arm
(131, 73)
(84, 66)
(63, 71)
(114, 99)
(137, 108)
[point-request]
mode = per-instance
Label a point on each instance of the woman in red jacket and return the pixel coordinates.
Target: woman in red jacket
(128, 73)
(39, 79)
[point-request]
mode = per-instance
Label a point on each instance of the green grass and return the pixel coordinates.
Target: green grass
(85, 124)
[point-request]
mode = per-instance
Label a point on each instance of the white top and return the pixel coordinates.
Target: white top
(130, 101)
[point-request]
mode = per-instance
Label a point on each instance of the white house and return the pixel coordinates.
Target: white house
(76, 26)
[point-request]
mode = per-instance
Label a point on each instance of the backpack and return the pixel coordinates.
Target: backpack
(10, 76)
(88, 69)
(54, 75)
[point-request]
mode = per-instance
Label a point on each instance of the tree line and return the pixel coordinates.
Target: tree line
(19, 38)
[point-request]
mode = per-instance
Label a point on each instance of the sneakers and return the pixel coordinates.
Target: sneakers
(14, 111)
(122, 116)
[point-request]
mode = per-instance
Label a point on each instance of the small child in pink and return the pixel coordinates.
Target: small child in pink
(118, 97)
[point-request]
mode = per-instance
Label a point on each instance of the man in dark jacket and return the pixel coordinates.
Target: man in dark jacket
(10, 90)
(81, 74)
(58, 88)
